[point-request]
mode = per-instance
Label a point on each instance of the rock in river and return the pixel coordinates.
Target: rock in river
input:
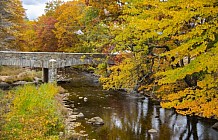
(80, 115)
(85, 99)
(96, 121)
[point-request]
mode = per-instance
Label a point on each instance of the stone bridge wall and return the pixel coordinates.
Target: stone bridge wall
(48, 61)
(44, 59)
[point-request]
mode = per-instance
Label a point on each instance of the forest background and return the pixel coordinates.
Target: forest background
(166, 48)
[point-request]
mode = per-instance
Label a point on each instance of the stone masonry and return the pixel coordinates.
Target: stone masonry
(48, 61)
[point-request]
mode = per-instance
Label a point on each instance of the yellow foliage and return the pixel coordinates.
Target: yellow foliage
(33, 114)
(124, 75)
(193, 102)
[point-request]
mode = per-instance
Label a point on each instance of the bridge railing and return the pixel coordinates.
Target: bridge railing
(49, 61)
(42, 59)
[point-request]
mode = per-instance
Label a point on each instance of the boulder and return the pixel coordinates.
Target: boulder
(215, 126)
(96, 121)
(85, 99)
(80, 115)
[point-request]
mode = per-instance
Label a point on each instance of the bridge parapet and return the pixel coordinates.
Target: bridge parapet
(48, 61)
(41, 59)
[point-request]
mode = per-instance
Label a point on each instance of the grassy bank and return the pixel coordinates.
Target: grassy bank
(34, 113)
(3, 108)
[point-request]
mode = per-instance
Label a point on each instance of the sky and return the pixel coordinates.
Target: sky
(35, 8)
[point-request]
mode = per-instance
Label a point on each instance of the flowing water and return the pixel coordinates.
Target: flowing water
(129, 117)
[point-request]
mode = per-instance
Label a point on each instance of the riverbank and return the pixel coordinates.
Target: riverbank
(28, 103)
(33, 113)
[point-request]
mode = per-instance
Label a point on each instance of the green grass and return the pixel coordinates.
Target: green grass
(34, 113)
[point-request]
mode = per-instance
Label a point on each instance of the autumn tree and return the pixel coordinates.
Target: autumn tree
(39, 35)
(178, 41)
(51, 7)
(192, 55)
(46, 39)
(106, 7)
(28, 36)
(11, 20)
(126, 73)
(96, 31)
(68, 16)
(80, 26)
(97, 18)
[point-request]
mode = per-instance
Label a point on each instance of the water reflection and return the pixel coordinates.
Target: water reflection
(128, 117)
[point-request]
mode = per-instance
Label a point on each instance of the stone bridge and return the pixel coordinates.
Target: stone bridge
(48, 61)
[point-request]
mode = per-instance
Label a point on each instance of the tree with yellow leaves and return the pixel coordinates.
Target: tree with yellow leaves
(178, 41)
(11, 20)
(68, 16)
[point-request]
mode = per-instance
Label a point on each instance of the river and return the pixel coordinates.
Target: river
(129, 117)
